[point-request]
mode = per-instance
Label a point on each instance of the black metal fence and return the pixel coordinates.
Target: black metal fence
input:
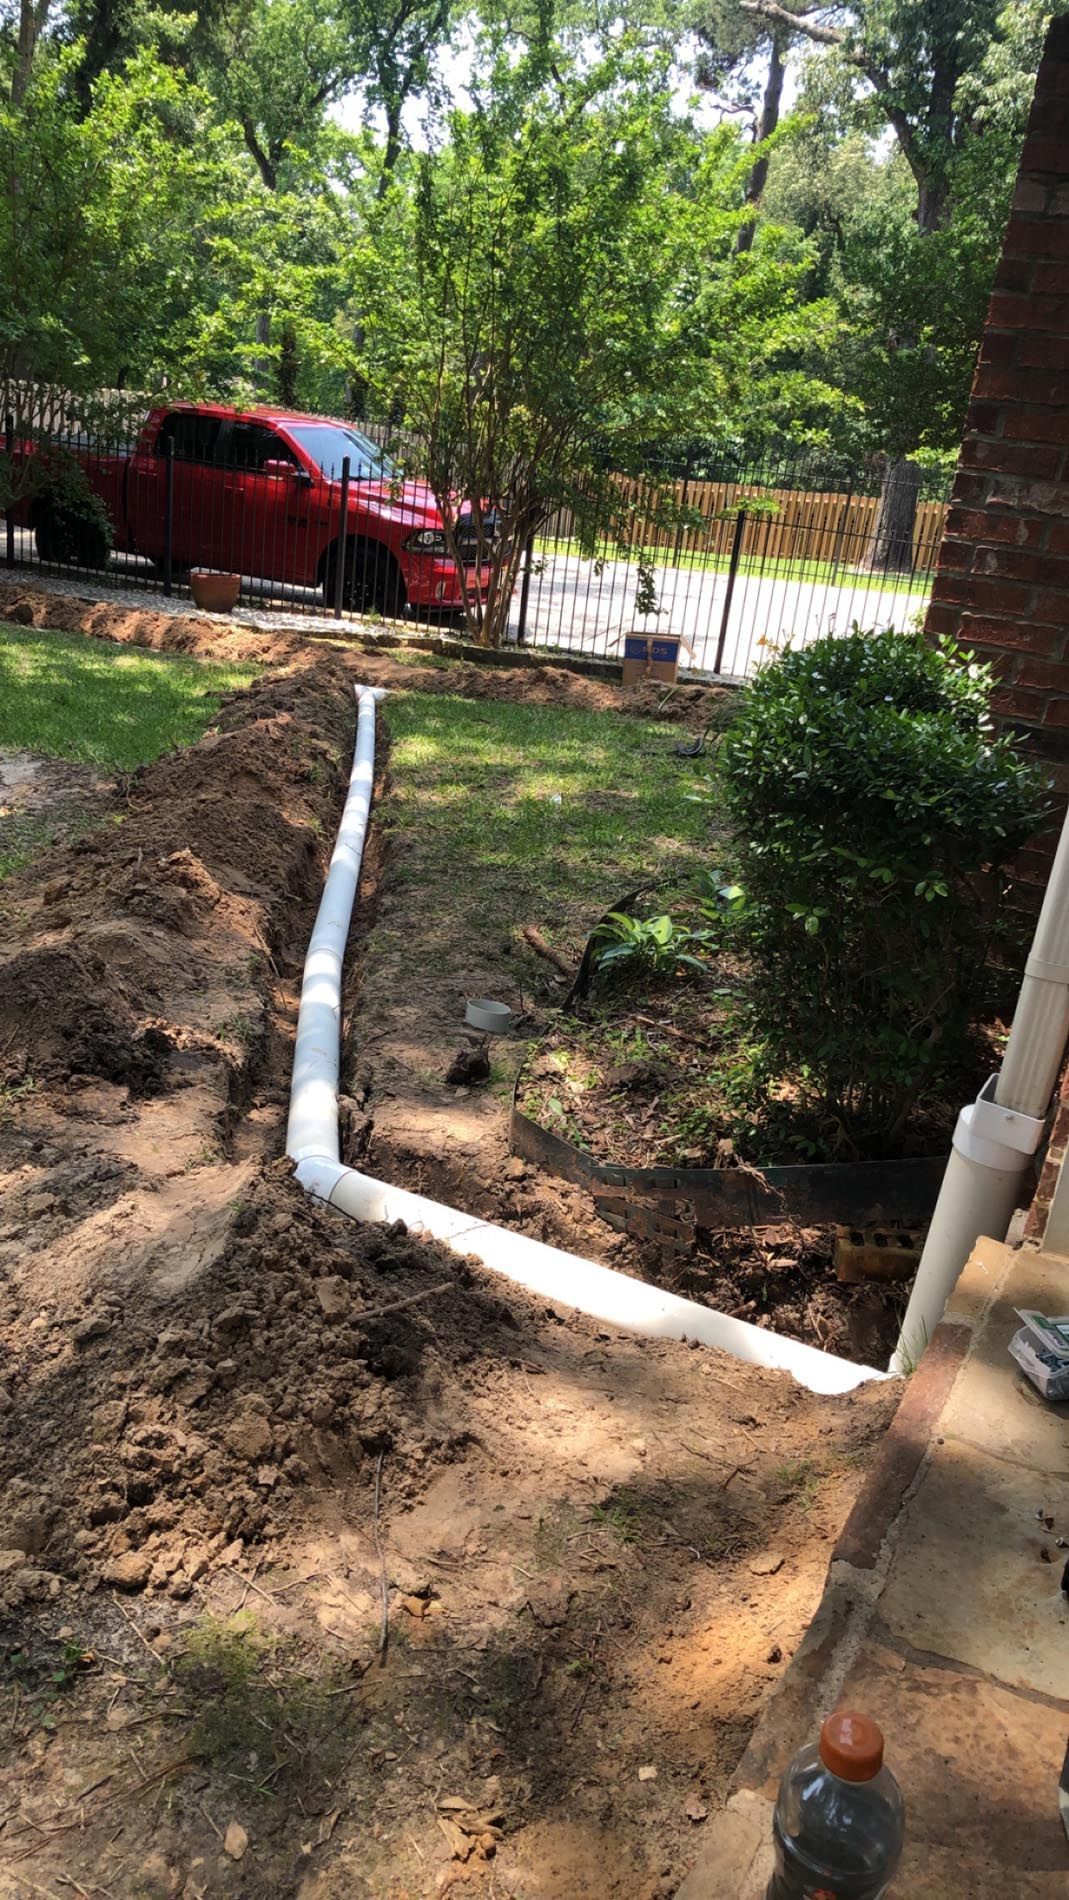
(322, 520)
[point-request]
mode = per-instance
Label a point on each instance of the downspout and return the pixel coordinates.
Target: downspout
(998, 1134)
(566, 1278)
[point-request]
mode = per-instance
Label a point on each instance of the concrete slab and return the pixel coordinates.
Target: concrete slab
(945, 1731)
(968, 1581)
(1003, 1415)
(737, 1861)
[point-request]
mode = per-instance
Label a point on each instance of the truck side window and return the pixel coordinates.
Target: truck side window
(195, 437)
(248, 446)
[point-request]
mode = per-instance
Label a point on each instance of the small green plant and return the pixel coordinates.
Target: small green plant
(652, 945)
(620, 1518)
(71, 521)
(800, 1478)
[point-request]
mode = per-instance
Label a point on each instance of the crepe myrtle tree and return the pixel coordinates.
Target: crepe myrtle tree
(554, 290)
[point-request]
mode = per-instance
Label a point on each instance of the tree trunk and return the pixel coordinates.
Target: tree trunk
(33, 15)
(770, 106)
(288, 366)
(890, 548)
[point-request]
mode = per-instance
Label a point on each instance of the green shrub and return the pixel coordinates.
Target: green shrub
(873, 810)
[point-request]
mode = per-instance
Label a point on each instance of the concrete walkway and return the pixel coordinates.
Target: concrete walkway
(942, 1616)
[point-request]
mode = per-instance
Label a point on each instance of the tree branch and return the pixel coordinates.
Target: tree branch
(813, 30)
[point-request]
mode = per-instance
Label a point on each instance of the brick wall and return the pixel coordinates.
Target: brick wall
(1003, 579)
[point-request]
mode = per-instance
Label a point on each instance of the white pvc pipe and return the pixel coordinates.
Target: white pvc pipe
(312, 1141)
(313, 1118)
(998, 1134)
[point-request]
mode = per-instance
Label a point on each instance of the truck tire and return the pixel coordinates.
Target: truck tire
(67, 543)
(373, 581)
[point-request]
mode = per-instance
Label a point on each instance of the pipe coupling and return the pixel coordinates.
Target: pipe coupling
(997, 1137)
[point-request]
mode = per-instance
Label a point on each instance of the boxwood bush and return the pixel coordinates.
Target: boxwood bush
(874, 811)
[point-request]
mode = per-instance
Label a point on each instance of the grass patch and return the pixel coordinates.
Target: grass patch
(255, 1711)
(103, 704)
(536, 812)
(832, 574)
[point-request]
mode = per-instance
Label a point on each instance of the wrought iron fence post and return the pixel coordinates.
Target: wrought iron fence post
(525, 590)
(9, 512)
(168, 515)
(343, 525)
(733, 568)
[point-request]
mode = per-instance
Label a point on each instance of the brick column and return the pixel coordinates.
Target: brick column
(1003, 581)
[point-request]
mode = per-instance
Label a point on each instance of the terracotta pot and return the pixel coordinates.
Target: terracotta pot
(214, 593)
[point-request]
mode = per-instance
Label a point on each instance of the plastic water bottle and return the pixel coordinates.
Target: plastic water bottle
(839, 1819)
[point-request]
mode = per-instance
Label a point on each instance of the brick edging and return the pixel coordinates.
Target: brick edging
(903, 1446)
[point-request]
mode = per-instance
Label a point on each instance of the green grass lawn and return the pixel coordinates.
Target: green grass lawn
(711, 561)
(513, 811)
(113, 706)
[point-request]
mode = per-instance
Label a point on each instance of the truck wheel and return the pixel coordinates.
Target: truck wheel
(373, 582)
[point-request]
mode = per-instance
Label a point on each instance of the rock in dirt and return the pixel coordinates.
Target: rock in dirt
(334, 1297)
(468, 1067)
(130, 1571)
(236, 1841)
(766, 1563)
(249, 1436)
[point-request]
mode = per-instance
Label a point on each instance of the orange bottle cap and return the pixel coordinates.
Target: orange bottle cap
(851, 1745)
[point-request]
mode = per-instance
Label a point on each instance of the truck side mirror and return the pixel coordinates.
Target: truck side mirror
(284, 471)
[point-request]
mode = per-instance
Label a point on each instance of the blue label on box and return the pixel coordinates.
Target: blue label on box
(635, 647)
(665, 650)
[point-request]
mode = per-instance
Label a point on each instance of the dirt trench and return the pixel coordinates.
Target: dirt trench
(218, 1399)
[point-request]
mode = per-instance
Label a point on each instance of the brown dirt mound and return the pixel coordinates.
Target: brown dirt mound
(515, 678)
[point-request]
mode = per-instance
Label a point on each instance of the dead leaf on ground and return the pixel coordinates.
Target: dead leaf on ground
(327, 1825)
(647, 1774)
(767, 1564)
(469, 1829)
(696, 1809)
(236, 1841)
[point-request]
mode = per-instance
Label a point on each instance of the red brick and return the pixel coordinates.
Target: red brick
(955, 555)
(985, 418)
(1058, 537)
(1049, 279)
(1030, 197)
(1023, 564)
(1017, 310)
(1049, 116)
(1052, 77)
(1034, 497)
(1047, 675)
(1045, 352)
(1009, 704)
(1056, 712)
(1014, 275)
(1004, 528)
(982, 595)
(999, 346)
(940, 619)
(1029, 424)
(970, 488)
(1021, 385)
(1011, 458)
(1050, 608)
(987, 630)
(1043, 154)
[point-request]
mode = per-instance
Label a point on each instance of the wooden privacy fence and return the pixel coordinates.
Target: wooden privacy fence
(785, 524)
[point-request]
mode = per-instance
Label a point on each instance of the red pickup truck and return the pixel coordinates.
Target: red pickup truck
(259, 493)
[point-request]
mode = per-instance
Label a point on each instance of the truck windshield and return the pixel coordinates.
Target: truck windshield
(328, 443)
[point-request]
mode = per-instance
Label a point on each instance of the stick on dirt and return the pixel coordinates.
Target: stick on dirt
(429, 1293)
(538, 943)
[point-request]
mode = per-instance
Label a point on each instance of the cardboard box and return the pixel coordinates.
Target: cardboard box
(651, 657)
